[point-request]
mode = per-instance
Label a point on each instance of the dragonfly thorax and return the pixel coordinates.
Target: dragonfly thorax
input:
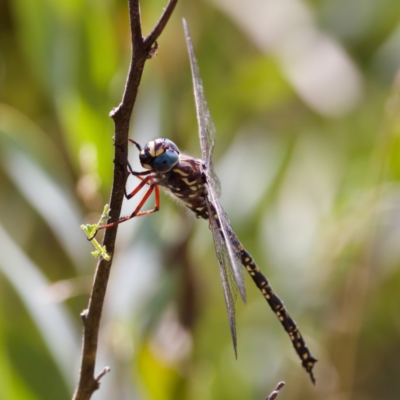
(159, 155)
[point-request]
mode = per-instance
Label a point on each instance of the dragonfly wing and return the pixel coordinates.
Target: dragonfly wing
(204, 120)
(224, 239)
(228, 281)
(229, 240)
(214, 180)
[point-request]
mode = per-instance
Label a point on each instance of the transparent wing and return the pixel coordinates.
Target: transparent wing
(204, 120)
(228, 281)
(227, 246)
(228, 254)
(230, 242)
(214, 180)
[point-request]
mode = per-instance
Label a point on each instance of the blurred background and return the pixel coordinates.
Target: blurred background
(306, 105)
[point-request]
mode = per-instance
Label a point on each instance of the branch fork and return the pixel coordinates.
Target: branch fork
(142, 50)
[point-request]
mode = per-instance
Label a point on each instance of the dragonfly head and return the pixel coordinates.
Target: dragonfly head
(159, 155)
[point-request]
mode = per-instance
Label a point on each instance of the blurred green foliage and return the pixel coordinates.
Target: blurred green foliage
(306, 105)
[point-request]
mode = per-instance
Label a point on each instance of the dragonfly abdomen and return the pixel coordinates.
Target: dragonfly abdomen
(199, 206)
(277, 306)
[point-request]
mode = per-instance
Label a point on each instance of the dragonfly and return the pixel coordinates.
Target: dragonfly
(195, 184)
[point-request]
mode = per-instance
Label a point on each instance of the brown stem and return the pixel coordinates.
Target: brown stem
(157, 30)
(276, 391)
(141, 51)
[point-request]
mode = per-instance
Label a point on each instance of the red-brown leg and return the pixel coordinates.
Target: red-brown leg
(137, 212)
(156, 207)
(144, 181)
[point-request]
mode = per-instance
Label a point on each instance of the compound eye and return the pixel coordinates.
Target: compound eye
(171, 145)
(166, 161)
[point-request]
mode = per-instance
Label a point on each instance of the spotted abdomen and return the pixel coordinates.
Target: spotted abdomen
(277, 306)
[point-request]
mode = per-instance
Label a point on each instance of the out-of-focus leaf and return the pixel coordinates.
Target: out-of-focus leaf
(101, 67)
(159, 379)
(33, 164)
(12, 386)
(21, 133)
(260, 84)
(35, 34)
(84, 125)
(52, 319)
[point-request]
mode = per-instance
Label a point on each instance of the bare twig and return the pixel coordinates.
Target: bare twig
(141, 50)
(156, 32)
(276, 391)
(106, 370)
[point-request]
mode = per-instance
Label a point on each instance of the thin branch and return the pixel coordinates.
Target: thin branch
(276, 391)
(157, 30)
(121, 115)
(105, 371)
(135, 24)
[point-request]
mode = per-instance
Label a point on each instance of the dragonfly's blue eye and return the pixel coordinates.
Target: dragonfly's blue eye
(171, 145)
(165, 161)
(159, 155)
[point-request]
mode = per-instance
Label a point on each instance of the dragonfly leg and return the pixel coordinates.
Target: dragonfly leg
(148, 180)
(128, 164)
(138, 213)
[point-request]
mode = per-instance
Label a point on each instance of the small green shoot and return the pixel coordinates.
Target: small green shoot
(91, 230)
